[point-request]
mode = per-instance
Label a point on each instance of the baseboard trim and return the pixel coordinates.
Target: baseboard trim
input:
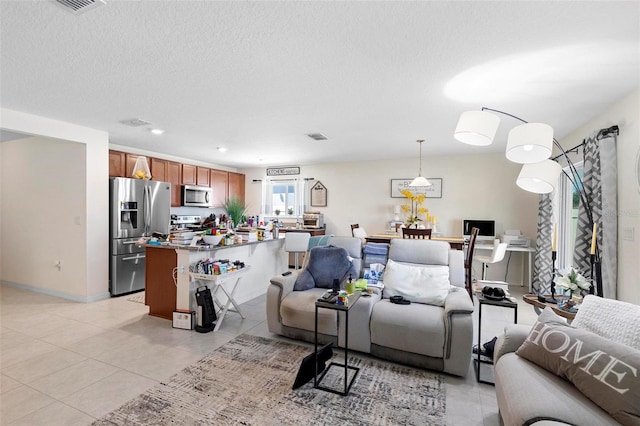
(60, 294)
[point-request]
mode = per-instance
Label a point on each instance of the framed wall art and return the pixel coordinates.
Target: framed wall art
(318, 195)
(433, 191)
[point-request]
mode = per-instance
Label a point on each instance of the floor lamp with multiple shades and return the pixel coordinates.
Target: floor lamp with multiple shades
(531, 144)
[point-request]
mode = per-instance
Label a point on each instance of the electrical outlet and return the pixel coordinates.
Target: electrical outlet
(628, 233)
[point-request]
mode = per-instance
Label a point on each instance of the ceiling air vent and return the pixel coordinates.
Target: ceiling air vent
(78, 7)
(317, 136)
(135, 122)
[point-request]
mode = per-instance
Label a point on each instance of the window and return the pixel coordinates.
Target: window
(568, 201)
(286, 196)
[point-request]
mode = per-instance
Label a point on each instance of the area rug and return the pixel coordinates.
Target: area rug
(137, 298)
(248, 382)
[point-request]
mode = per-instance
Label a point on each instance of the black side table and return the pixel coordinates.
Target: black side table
(338, 308)
(505, 303)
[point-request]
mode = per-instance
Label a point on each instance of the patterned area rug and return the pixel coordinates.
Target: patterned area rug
(248, 382)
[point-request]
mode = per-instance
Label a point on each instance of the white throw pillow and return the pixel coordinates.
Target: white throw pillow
(421, 284)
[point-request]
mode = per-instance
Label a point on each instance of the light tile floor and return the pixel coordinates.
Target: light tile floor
(67, 363)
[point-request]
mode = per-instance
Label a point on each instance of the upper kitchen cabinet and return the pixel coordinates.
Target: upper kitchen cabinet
(159, 169)
(174, 175)
(202, 176)
(168, 171)
(116, 164)
(188, 174)
(236, 185)
(130, 161)
(219, 182)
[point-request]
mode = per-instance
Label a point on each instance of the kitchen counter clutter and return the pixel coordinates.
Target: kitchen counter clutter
(169, 283)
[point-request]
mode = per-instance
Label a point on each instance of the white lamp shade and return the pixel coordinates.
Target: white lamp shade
(530, 143)
(420, 181)
(540, 178)
(476, 128)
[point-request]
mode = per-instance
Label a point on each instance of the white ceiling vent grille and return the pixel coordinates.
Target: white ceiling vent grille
(135, 122)
(317, 136)
(78, 7)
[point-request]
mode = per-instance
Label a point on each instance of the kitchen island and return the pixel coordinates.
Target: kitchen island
(168, 284)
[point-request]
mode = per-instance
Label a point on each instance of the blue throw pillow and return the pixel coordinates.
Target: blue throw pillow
(304, 281)
(328, 263)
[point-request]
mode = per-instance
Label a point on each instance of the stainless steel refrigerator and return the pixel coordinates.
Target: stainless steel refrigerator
(137, 209)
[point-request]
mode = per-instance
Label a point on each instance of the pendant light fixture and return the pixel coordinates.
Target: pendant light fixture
(420, 181)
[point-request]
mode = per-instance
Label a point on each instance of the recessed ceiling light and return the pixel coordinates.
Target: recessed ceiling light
(157, 131)
(222, 149)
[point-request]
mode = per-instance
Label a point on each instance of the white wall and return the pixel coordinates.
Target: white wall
(66, 167)
(474, 187)
(625, 114)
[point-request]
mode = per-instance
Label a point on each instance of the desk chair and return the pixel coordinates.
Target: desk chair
(468, 261)
(422, 234)
(499, 249)
(296, 242)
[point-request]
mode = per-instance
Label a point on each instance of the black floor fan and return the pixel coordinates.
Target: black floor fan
(207, 311)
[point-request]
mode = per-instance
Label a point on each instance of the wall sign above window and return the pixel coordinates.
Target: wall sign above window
(283, 171)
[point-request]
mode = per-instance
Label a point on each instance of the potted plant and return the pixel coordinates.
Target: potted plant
(277, 212)
(290, 211)
(235, 209)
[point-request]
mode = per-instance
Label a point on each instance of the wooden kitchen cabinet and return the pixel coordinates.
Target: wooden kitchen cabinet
(159, 169)
(236, 185)
(219, 183)
(116, 163)
(188, 174)
(202, 176)
(174, 176)
(130, 161)
(160, 290)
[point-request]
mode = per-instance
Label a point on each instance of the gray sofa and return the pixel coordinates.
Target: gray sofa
(423, 335)
(528, 394)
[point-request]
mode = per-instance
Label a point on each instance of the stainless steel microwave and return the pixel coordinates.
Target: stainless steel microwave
(197, 196)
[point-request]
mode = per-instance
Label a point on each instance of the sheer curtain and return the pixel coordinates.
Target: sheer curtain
(600, 185)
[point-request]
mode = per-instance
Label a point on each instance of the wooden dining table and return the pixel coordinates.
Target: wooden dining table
(457, 243)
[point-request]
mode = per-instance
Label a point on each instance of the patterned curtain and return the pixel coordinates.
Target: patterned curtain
(600, 185)
(543, 267)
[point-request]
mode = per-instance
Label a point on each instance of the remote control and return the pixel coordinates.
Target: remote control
(284, 274)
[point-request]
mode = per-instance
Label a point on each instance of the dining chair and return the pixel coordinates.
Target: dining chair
(422, 234)
(468, 261)
(354, 226)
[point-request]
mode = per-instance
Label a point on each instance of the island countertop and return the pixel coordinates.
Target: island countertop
(168, 281)
(207, 247)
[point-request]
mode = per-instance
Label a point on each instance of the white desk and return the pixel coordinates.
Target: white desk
(528, 250)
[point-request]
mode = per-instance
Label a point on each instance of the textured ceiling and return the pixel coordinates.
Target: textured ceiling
(255, 77)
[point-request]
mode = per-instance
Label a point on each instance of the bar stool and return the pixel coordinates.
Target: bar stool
(499, 249)
(296, 242)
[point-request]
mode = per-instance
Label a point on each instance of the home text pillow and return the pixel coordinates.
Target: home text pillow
(326, 263)
(420, 284)
(606, 372)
